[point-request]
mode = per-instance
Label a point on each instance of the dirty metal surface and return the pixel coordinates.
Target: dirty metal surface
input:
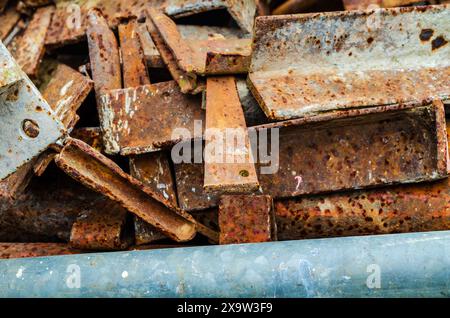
(242, 11)
(29, 47)
(307, 64)
(90, 135)
(104, 55)
(99, 173)
(29, 125)
(361, 4)
(70, 21)
(104, 229)
(246, 219)
(151, 53)
(201, 57)
(134, 68)
(15, 184)
(9, 19)
(141, 120)
(230, 166)
(25, 250)
(207, 32)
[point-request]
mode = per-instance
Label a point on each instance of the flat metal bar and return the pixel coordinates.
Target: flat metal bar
(143, 119)
(34, 250)
(22, 108)
(99, 173)
(151, 53)
(232, 169)
(9, 19)
(307, 64)
(15, 184)
(135, 71)
(29, 47)
(246, 219)
(242, 11)
(380, 266)
(105, 229)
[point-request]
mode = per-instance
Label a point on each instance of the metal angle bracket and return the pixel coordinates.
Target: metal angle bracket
(29, 125)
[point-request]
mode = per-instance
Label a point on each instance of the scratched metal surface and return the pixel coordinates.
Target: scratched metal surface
(21, 101)
(135, 128)
(306, 64)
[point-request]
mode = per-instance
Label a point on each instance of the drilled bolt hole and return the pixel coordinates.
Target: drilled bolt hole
(244, 173)
(31, 128)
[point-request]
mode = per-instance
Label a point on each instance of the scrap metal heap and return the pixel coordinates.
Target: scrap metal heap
(158, 124)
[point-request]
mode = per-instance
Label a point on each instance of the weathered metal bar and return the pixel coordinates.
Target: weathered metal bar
(97, 172)
(91, 136)
(345, 150)
(207, 32)
(246, 219)
(293, 6)
(201, 57)
(29, 125)
(105, 229)
(15, 184)
(308, 64)
(33, 250)
(131, 126)
(229, 165)
(242, 11)
(29, 47)
(9, 19)
(104, 55)
(134, 68)
(380, 266)
(46, 210)
(151, 53)
(70, 21)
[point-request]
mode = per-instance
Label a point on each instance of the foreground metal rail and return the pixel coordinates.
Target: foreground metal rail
(406, 265)
(307, 64)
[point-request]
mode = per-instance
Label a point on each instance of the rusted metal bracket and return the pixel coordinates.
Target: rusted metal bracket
(242, 11)
(232, 169)
(344, 150)
(29, 125)
(28, 48)
(246, 219)
(308, 64)
(99, 173)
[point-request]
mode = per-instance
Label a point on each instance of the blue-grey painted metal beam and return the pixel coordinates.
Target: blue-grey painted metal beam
(378, 266)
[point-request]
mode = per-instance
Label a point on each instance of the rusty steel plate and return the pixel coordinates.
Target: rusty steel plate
(312, 63)
(69, 23)
(246, 219)
(25, 250)
(99, 173)
(232, 168)
(143, 119)
(29, 125)
(90, 135)
(344, 150)
(212, 56)
(151, 53)
(15, 184)
(28, 48)
(242, 11)
(9, 19)
(105, 229)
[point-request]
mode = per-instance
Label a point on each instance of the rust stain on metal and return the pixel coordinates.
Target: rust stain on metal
(25, 250)
(135, 71)
(141, 120)
(242, 11)
(212, 56)
(246, 219)
(9, 19)
(104, 55)
(15, 184)
(307, 64)
(70, 23)
(99, 173)
(293, 6)
(28, 49)
(103, 229)
(234, 171)
(90, 135)
(361, 4)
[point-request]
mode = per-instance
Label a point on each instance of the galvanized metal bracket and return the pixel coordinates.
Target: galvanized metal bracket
(308, 64)
(29, 125)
